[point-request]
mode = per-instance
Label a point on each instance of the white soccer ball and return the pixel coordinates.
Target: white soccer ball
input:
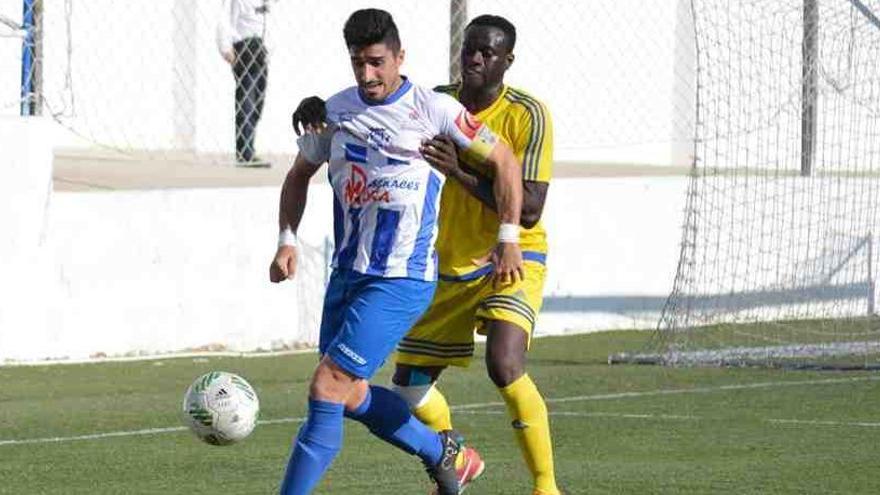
(221, 408)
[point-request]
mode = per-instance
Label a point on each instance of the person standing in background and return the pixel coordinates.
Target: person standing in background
(240, 38)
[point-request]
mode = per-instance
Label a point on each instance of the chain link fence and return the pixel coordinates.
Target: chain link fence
(147, 78)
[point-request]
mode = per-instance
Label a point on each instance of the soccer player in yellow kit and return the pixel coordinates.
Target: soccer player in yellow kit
(468, 296)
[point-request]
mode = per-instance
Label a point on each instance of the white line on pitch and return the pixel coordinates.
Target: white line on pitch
(678, 391)
(130, 433)
(96, 436)
(812, 422)
(280, 421)
(577, 414)
(467, 407)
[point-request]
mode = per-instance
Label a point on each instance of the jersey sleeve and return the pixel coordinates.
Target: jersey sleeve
(453, 120)
(534, 142)
(225, 31)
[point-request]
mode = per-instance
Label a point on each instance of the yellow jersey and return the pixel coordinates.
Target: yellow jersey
(469, 229)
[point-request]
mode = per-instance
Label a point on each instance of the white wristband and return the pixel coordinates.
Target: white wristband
(509, 233)
(287, 238)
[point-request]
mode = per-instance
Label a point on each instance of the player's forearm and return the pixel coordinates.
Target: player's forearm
(477, 185)
(481, 187)
(507, 185)
(294, 194)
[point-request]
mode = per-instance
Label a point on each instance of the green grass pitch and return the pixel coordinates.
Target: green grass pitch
(617, 429)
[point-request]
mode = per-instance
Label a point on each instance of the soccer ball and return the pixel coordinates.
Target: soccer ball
(221, 408)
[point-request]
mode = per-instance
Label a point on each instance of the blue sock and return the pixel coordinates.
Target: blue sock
(317, 444)
(388, 417)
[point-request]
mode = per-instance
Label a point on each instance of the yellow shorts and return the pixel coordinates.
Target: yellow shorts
(444, 336)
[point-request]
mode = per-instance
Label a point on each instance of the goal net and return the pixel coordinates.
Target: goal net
(779, 254)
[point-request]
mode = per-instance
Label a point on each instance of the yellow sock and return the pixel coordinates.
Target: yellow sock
(532, 429)
(435, 411)
(436, 415)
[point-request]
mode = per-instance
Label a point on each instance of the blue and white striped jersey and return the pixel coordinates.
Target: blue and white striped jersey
(386, 196)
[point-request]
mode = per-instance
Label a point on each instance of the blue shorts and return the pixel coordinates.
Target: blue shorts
(365, 316)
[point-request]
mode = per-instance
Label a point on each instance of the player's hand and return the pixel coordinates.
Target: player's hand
(506, 260)
(229, 57)
(442, 154)
(310, 114)
(283, 267)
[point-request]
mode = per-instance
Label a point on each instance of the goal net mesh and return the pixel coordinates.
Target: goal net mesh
(778, 253)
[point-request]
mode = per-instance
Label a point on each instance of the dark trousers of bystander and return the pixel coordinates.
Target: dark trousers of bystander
(251, 72)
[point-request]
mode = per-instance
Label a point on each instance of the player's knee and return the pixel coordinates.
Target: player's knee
(357, 396)
(504, 368)
(331, 383)
(505, 352)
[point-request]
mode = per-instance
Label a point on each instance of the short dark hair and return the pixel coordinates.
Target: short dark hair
(370, 26)
(499, 22)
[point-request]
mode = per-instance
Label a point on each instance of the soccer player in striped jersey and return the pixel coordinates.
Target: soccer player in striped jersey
(466, 298)
(386, 199)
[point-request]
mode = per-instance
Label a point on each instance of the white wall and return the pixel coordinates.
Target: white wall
(25, 252)
(614, 246)
(157, 271)
(153, 271)
(145, 272)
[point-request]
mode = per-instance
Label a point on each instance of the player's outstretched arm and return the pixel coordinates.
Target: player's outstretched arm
(507, 188)
(442, 154)
(294, 194)
(453, 120)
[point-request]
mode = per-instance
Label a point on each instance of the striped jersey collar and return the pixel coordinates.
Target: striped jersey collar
(393, 97)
